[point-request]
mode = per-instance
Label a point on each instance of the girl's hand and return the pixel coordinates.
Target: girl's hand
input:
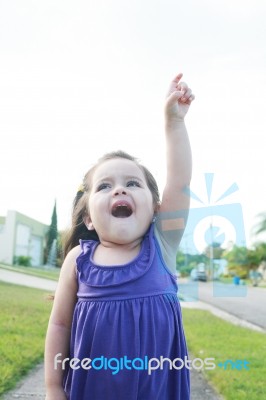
(178, 99)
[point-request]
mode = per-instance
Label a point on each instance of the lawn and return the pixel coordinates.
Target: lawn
(51, 273)
(23, 322)
(209, 336)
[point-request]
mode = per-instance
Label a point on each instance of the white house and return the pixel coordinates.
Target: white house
(21, 236)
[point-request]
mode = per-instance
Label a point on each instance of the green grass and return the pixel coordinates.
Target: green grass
(210, 337)
(40, 272)
(23, 323)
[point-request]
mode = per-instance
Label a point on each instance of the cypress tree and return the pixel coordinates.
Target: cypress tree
(52, 233)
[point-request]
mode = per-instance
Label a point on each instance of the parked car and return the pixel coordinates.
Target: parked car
(202, 276)
(198, 274)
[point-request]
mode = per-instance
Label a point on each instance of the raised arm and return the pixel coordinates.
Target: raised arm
(59, 328)
(175, 202)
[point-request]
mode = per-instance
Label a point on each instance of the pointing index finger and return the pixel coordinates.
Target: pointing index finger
(178, 77)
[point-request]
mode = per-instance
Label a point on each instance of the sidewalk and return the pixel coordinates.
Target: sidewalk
(19, 278)
(32, 387)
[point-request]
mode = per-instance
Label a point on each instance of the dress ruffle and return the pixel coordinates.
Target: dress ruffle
(95, 275)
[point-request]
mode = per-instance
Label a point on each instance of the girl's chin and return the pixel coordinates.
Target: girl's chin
(128, 229)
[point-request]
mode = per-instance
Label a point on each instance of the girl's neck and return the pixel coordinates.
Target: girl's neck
(108, 253)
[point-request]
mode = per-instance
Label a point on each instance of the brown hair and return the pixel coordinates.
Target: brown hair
(78, 228)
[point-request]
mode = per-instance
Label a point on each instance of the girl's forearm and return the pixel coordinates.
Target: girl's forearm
(56, 350)
(179, 159)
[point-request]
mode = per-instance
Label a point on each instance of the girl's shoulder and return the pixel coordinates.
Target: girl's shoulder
(70, 262)
(81, 249)
(84, 248)
(75, 252)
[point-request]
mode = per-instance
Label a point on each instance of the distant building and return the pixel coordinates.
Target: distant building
(220, 267)
(21, 236)
(262, 270)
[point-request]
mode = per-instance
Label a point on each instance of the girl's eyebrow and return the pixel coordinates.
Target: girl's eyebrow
(110, 179)
(133, 177)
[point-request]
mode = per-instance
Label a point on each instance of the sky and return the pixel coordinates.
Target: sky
(79, 79)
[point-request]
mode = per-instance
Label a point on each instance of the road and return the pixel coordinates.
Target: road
(247, 303)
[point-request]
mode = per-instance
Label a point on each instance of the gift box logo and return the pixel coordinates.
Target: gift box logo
(205, 225)
(212, 222)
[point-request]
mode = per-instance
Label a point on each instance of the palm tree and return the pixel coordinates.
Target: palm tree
(261, 226)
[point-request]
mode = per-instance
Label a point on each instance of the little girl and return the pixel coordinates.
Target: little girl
(115, 331)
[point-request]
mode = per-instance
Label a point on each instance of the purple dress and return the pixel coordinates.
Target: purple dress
(125, 316)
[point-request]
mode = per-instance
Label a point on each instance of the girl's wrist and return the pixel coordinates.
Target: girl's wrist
(174, 122)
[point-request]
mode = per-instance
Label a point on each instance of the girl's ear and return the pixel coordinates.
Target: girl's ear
(157, 208)
(88, 223)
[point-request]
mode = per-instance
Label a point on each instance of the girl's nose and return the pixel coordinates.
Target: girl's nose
(119, 190)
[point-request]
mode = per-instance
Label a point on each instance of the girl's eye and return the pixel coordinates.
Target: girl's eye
(133, 183)
(103, 186)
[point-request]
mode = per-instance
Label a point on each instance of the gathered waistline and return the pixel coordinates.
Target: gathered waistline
(105, 299)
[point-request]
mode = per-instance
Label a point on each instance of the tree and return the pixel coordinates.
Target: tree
(60, 257)
(185, 262)
(217, 250)
(52, 233)
(241, 260)
(261, 250)
(261, 226)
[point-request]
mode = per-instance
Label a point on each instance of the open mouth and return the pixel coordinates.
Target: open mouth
(121, 210)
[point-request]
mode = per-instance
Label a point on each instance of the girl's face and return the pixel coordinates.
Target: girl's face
(120, 203)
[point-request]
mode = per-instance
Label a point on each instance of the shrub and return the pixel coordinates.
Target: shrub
(22, 260)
